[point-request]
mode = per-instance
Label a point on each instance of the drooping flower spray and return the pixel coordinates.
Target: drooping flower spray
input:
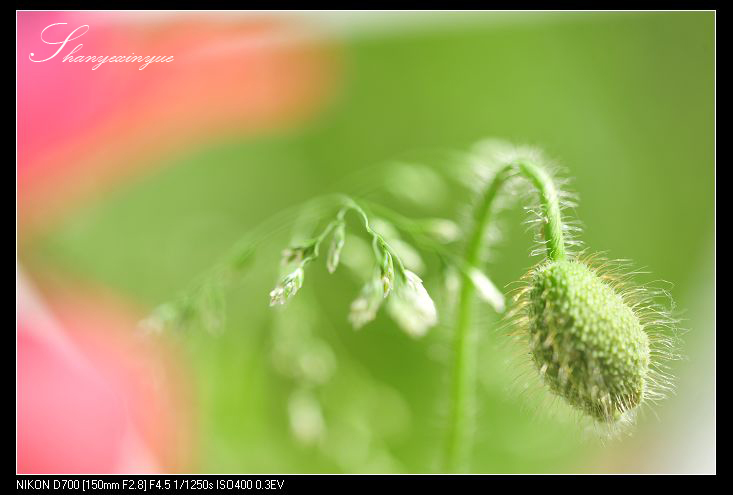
(409, 303)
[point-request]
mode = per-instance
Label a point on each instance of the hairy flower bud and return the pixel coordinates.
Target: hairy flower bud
(588, 345)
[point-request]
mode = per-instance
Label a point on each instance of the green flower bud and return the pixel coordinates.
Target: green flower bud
(588, 344)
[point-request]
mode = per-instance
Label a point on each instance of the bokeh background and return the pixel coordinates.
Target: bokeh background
(131, 184)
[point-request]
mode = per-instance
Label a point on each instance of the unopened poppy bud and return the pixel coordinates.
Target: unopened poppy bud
(588, 345)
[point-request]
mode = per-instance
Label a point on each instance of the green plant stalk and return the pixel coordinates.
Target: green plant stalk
(463, 392)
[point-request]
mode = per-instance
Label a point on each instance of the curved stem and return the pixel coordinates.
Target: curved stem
(461, 419)
(550, 204)
(378, 242)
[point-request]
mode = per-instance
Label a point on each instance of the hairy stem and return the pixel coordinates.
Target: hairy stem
(550, 204)
(461, 419)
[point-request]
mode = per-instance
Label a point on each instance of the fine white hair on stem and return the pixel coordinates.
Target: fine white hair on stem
(537, 216)
(486, 159)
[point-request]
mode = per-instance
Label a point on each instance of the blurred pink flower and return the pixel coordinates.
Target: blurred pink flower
(93, 398)
(81, 129)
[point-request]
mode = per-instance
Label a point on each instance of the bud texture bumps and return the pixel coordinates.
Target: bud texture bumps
(587, 344)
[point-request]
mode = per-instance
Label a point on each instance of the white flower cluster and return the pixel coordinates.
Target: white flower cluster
(410, 304)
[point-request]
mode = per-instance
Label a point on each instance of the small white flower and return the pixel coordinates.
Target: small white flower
(288, 287)
(411, 306)
(387, 273)
(364, 308)
(337, 244)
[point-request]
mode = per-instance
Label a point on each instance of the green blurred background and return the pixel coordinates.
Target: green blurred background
(624, 101)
